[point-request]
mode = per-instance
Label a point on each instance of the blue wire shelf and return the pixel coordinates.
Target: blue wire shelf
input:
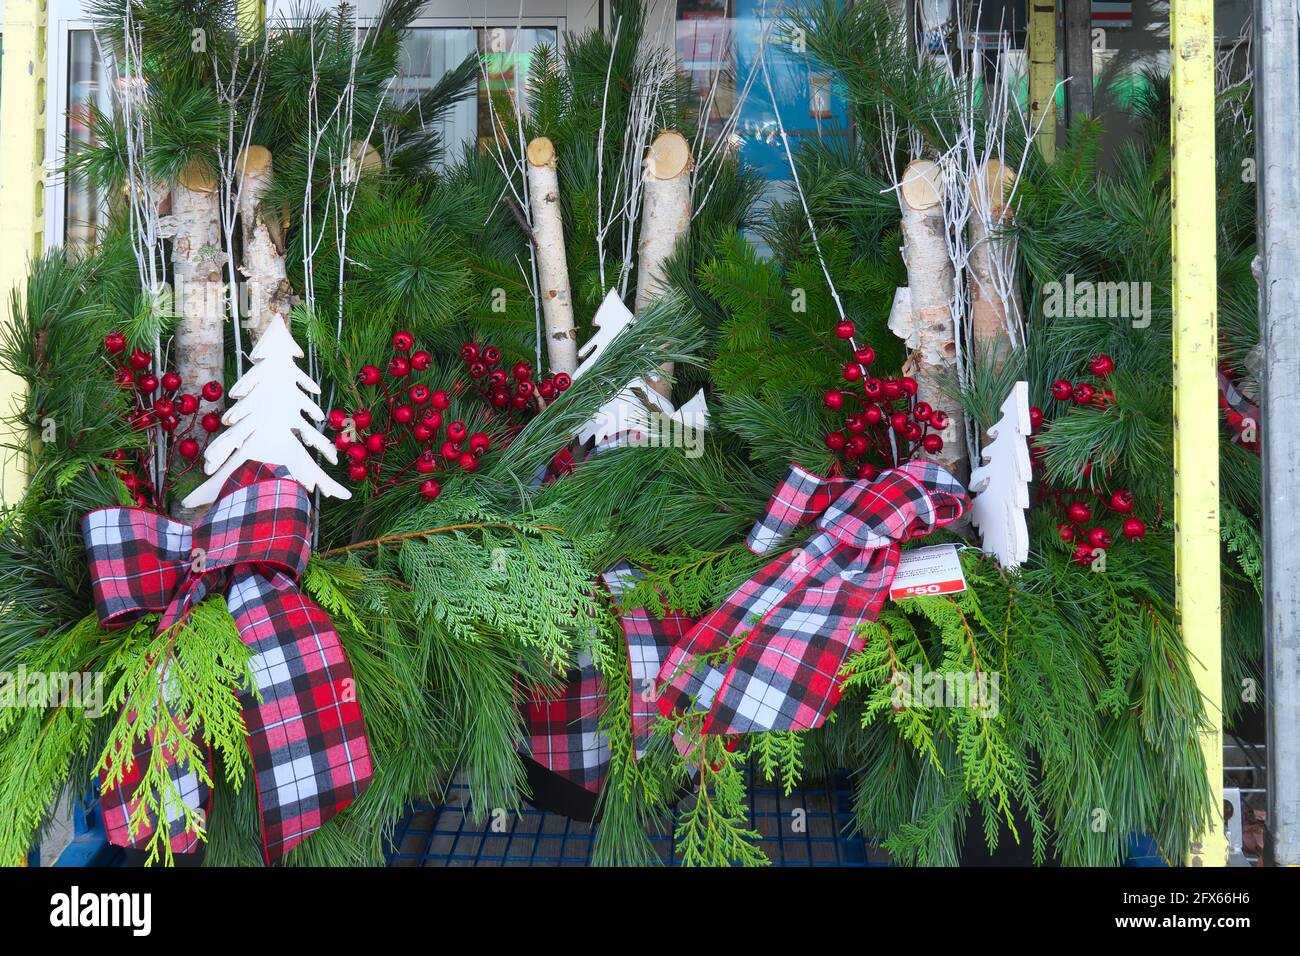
(811, 827)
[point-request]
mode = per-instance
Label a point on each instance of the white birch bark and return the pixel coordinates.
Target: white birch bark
(263, 268)
(931, 280)
(552, 263)
(996, 305)
(665, 218)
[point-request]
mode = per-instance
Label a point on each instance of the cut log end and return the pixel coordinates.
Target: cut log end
(196, 178)
(253, 161)
(922, 185)
(991, 189)
(669, 155)
(541, 152)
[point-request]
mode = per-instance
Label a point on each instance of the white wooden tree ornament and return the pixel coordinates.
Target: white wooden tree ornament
(1000, 485)
(270, 404)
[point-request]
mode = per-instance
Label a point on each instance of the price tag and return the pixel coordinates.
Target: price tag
(926, 571)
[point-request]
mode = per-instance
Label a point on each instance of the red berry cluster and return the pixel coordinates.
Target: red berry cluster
(1080, 514)
(411, 414)
(157, 402)
(885, 403)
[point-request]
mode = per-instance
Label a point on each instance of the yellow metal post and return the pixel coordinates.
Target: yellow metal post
(1042, 74)
(1196, 437)
(22, 184)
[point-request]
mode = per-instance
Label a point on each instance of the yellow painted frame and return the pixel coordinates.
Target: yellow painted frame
(1042, 73)
(1196, 443)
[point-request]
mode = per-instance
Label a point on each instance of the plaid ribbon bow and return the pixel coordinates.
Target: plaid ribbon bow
(306, 735)
(802, 610)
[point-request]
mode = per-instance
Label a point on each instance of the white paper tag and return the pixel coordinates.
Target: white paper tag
(926, 571)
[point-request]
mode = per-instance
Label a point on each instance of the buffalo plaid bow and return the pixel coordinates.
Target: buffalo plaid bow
(797, 618)
(306, 734)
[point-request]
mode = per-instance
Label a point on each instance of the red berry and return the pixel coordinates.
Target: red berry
(1065, 531)
(851, 371)
(341, 441)
(439, 400)
(939, 419)
(898, 422)
(546, 389)
(832, 400)
(522, 371)
(873, 414)
(1062, 389)
(369, 375)
(1122, 501)
(1102, 365)
(845, 329)
(469, 352)
(479, 443)
(124, 378)
(419, 393)
(117, 454)
(426, 462)
(932, 443)
(912, 432)
(869, 472)
(1082, 555)
(1134, 529)
(404, 414)
(403, 341)
(501, 398)
(187, 403)
(865, 355)
(893, 390)
(1099, 537)
(140, 360)
(1084, 393)
(450, 450)
(431, 419)
(357, 471)
(921, 411)
(519, 401)
(855, 425)
(171, 381)
(421, 360)
(1078, 512)
(491, 355)
(835, 441)
(212, 392)
(210, 422)
(164, 406)
(857, 446)
(524, 388)
(562, 381)
(375, 443)
(874, 389)
(399, 367)
(1035, 418)
(422, 432)
(909, 385)
(457, 431)
(1235, 418)
(168, 423)
(148, 384)
(477, 369)
(188, 448)
(468, 462)
(115, 342)
(336, 419)
(357, 453)
(497, 378)
(430, 489)
(361, 418)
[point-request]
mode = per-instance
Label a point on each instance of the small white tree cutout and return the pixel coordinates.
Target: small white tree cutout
(1000, 485)
(269, 409)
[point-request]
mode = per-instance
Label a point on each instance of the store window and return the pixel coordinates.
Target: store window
(83, 208)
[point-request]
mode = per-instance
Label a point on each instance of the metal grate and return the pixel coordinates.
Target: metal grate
(808, 828)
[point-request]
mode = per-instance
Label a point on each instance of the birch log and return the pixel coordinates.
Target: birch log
(665, 218)
(995, 295)
(552, 264)
(194, 227)
(931, 279)
(263, 269)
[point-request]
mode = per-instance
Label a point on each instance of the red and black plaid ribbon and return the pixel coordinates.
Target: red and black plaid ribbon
(1233, 399)
(797, 619)
(306, 736)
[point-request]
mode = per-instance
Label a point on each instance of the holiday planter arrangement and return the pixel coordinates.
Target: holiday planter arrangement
(354, 466)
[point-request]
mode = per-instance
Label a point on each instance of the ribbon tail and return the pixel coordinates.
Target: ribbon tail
(119, 804)
(306, 735)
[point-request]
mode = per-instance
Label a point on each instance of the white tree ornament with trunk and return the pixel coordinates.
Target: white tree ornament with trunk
(1000, 486)
(552, 263)
(665, 219)
(271, 420)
